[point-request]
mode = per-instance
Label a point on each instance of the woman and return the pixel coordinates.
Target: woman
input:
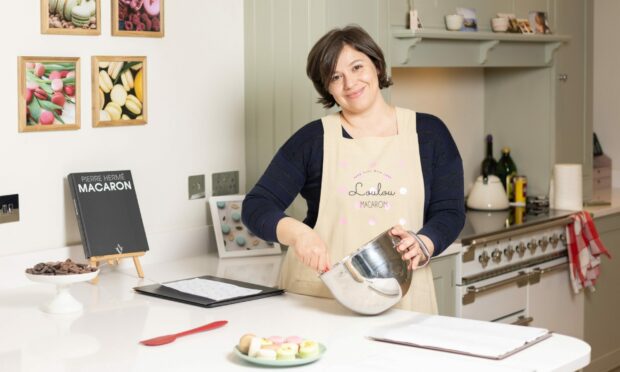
(363, 170)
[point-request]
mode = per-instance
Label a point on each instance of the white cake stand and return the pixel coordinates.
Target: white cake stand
(63, 302)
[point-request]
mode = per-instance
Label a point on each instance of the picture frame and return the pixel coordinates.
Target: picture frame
(539, 23)
(470, 21)
(119, 90)
(147, 20)
(233, 238)
(48, 93)
(60, 17)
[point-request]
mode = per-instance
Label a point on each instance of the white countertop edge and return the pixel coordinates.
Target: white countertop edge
(606, 210)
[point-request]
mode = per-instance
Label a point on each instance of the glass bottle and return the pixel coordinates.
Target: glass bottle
(489, 165)
(506, 170)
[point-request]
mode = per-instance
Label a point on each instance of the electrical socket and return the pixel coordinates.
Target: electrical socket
(225, 183)
(196, 187)
(9, 208)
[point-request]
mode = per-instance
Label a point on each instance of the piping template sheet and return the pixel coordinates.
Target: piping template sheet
(212, 289)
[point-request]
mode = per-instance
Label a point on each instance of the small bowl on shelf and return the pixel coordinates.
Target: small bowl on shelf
(454, 22)
(63, 302)
(499, 24)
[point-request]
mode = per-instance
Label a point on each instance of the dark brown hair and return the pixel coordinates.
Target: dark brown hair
(323, 58)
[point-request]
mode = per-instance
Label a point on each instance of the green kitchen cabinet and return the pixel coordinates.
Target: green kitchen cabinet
(573, 88)
(601, 325)
(444, 276)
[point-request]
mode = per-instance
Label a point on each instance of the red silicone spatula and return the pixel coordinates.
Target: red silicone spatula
(162, 340)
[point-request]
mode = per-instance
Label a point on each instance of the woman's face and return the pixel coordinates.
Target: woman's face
(354, 84)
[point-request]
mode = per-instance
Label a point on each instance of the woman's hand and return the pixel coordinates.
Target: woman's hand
(308, 245)
(312, 251)
(409, 247)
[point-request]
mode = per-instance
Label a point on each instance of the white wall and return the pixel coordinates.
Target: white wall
(196, 121)
(607, 81)
(456, 96)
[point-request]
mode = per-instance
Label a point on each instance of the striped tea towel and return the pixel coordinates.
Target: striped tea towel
(584, 250)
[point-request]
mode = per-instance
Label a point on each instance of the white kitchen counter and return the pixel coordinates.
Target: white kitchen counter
(105, 336)
(605, 210)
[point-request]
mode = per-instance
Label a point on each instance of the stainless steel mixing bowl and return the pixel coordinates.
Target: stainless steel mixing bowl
(374, 277)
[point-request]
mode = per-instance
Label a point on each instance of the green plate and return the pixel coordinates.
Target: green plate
(282, 363)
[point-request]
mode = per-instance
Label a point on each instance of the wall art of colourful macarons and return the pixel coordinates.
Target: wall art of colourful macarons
(233, 238)
(71, 17)
(49, 93)
(143, 18)
(119, 91)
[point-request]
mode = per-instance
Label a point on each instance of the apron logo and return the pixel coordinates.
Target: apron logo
(372, 191)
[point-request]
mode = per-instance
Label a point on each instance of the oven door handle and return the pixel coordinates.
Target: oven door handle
(521, 279)
(538, 272)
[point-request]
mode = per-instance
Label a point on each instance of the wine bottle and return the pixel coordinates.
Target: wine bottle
(489, 165)
(506, 170)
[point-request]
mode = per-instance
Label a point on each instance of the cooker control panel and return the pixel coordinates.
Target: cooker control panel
(513, 250)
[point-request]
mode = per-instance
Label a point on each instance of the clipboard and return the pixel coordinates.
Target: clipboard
(158, 290)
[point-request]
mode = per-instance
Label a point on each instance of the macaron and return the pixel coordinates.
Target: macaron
(240, 240)
(287, 351)
(267, 354)
(277, 340)
(294, 339)
(221, 204)
(225, 229)
(244, 342)
(308, 349)
(236, 216)
(255, 345)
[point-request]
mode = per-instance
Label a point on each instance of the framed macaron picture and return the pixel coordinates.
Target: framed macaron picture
(71, 17)
(119, 91)
(143, 18)
(49, 93)
(233, 238)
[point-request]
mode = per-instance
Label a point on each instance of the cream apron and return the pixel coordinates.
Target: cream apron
(369, 185)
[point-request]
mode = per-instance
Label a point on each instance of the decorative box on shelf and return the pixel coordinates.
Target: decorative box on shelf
(601, 178)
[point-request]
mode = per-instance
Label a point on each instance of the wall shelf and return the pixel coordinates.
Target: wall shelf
(441, 48)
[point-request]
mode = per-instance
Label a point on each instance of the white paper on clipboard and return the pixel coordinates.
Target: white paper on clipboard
(462, 336)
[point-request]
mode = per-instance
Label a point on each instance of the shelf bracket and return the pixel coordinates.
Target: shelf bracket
(549, 50)
(485, 48)
(402, 49)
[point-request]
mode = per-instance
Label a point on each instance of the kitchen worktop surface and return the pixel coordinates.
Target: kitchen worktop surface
(104, 337)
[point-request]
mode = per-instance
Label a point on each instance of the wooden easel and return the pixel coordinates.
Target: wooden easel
(113, 259)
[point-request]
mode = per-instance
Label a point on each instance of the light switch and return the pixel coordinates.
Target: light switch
(196, 187)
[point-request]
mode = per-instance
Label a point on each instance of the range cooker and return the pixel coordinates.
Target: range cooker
(513, 269)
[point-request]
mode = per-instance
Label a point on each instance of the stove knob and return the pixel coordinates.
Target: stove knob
(484, 259)
(532, 246)
(563, 238)
(508, 252)
(496, 255)
(521, 249)
(554, 240)
(543, 243)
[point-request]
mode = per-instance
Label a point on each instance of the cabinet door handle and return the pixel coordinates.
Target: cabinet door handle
(523, 321)
(563, 77)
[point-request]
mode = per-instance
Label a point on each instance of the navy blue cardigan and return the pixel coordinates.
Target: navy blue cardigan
(297, 169)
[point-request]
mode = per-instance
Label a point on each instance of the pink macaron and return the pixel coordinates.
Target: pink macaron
(277, 340)
(294, 339)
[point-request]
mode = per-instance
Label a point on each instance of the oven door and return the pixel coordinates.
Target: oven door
(551, 301)
(494, 299)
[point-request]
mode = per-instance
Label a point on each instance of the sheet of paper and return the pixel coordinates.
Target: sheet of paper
(211, 289)
(475, 337)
